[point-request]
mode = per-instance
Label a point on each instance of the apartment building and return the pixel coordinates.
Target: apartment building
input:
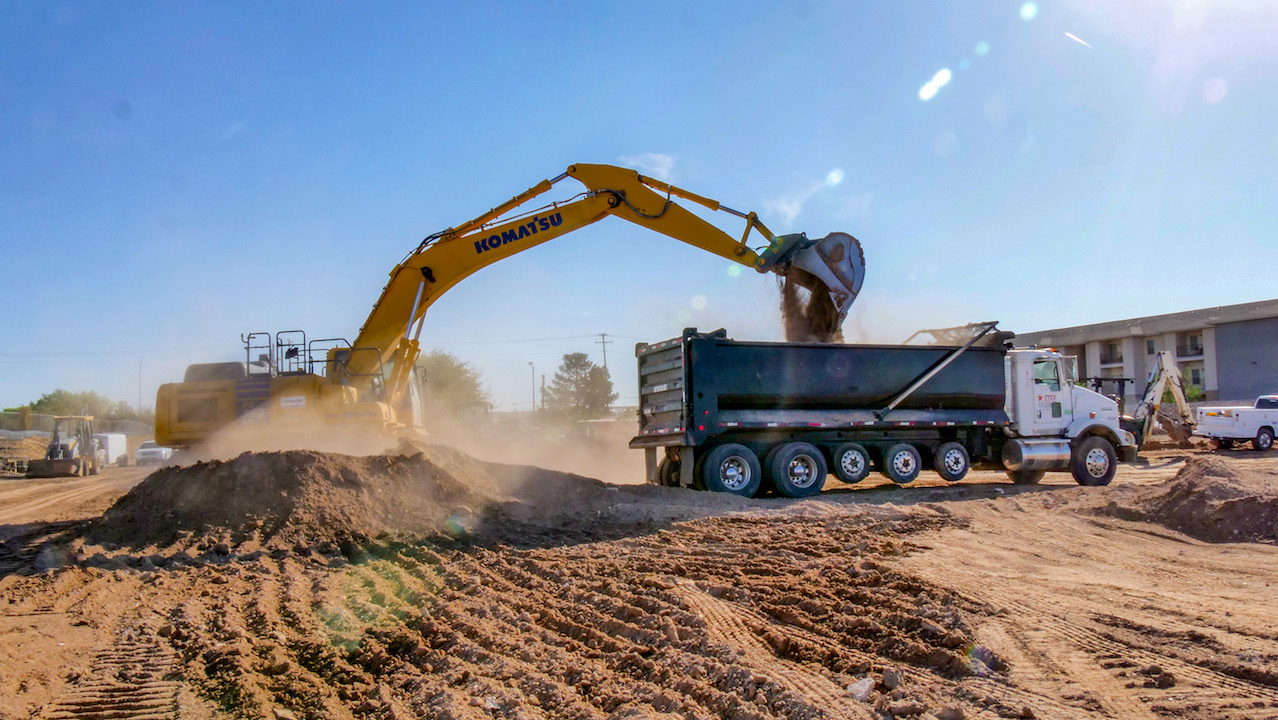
(1229, 352)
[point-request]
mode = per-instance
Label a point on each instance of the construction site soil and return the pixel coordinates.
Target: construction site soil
(426, 583)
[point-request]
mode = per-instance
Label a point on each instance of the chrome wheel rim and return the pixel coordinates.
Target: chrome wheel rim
(1097, 462)
(802, 471)
(953, 462)
(734, 473)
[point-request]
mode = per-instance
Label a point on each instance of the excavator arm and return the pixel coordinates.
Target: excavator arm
(1165, 375)
(834, 264)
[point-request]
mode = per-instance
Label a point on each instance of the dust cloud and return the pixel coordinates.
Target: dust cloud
(596, 450)
(805, 315)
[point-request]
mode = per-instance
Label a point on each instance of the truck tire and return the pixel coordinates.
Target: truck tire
(731, 468)
(901, 463)
(1094, 462)
(851, 462)
(1026, 477)
(668, 473)
(1264, 439)
(951, 462)
(1222, 444)
(796, 469)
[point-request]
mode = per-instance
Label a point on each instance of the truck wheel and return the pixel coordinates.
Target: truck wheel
(1221, 444)
(901, 463)
(1264, 439)
(1026, 477)
(731, 468)
(796, 469)
(851, 462)
(668, 473)
(951, 462)
(1094, 462)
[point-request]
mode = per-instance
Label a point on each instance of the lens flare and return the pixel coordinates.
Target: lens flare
(933, 86)
(982, 48)
(698, 302)
(1215, 89)
(835, 177)
(1029, 11)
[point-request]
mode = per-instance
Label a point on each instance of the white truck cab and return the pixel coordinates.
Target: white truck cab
(1057, 424)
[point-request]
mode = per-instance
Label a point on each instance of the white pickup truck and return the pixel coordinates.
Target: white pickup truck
(1229, 425)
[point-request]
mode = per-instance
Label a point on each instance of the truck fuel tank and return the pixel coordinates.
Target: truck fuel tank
(1047, 455)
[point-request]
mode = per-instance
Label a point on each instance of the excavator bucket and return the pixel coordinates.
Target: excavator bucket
(834, 265)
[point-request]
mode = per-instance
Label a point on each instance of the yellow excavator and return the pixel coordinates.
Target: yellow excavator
(299, 393)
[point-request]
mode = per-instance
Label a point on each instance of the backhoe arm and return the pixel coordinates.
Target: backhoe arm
(1164, 376)
(446, 258)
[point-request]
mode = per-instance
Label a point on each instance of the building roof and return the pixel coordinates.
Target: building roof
(1152, 324)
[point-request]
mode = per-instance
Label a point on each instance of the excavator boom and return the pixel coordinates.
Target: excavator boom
(834, 265)
(367, 385)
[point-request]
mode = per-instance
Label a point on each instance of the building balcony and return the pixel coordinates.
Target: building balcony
(1188, 351)
(1107, 358)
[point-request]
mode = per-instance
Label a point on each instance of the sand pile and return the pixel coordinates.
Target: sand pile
(1213, 500)
(279, 498)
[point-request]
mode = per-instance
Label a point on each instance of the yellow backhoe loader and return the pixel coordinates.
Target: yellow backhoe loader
(73, 450)
(288, 389)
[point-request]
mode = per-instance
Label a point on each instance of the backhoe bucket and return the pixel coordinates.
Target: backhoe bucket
(835, 265)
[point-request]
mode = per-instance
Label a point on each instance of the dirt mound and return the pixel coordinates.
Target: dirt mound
(1213, 500)
(299, 496)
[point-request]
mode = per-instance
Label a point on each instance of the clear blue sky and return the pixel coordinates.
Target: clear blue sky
(174, 174)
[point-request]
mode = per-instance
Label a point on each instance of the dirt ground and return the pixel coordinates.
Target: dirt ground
(314, 587)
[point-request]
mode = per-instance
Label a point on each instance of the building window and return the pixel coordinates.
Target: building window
(1149, 347)
(1189, 345)
(1111, 353)
(1196, 377)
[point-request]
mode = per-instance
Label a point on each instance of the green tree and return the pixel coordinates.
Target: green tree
(1193, 393)
(450, 383)
(581, 390)
(65, 402)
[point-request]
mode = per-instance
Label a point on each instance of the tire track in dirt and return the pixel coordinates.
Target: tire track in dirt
(731, 626)
(129, 680)
(1098, 609)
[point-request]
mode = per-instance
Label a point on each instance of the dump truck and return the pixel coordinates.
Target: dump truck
(755, 417)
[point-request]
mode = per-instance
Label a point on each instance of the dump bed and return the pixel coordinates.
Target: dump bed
(702, 384)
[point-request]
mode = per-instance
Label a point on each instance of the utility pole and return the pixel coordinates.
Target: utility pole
(604, 341)
(543, 392)
(139, 388)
